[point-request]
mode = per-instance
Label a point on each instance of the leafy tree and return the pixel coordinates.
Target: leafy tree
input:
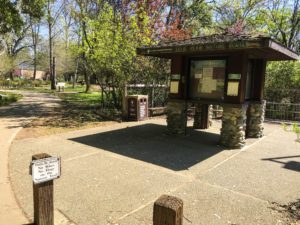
(281, 19)
(11, 18)
(229, 13)
(113, 64)
(283, 81)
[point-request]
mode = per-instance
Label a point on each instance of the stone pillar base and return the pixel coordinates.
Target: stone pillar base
(203, 116)
(255, 119)
(233, 126)
(176, 118)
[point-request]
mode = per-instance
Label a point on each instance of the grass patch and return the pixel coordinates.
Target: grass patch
(85, 107)
(81, 98)
(47, 89)
(42, 89)
(8, 98)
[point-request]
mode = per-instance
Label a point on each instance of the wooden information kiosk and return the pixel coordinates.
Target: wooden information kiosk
(223, 69)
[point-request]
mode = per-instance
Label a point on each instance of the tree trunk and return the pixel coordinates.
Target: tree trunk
(75, 74)
(52, 79)
(34, 62)
(35, 37)
(87, 81)
(11, 75)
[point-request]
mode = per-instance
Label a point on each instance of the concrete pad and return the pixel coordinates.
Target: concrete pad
(269, 169)
(207, 204)
(108, 187)
(113, 175)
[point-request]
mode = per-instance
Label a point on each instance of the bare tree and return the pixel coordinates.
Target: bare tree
(52, 18)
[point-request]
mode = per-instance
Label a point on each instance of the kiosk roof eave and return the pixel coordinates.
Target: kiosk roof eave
(260, 47)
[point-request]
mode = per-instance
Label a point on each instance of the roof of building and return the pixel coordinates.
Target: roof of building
(258, 46)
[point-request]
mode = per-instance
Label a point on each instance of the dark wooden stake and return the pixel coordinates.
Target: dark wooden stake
(205, 117)
(43, 199)
(168, 210)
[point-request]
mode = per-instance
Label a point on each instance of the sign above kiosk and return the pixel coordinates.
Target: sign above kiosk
(258, 46)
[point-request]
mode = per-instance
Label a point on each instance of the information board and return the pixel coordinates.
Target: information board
(207, 79)
(45, 169)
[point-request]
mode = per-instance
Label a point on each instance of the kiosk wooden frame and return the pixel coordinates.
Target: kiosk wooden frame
(245, 58)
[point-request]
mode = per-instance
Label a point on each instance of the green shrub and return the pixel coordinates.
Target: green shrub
(8, 98)
(18, 83)
(296, 130)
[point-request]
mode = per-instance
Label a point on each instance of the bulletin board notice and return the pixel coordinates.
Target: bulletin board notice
(233, 88)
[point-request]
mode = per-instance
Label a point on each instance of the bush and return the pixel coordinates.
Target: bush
(283, 82)
(296, 130)
(8, 98)
(21, 83)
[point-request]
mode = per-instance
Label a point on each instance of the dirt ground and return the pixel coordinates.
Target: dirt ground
(40, 127)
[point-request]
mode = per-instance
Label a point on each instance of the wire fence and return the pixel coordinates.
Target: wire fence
(282, 111)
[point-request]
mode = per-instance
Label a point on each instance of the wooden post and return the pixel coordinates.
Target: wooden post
(168, 210)
(205, 117)
(152, 94)
(124, 102)
(43, 199)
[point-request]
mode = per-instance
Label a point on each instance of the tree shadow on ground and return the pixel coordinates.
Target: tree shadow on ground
(290, 165)
(151, 144)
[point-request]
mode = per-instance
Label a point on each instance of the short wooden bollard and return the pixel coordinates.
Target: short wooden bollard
(168, 210)
(46, 168)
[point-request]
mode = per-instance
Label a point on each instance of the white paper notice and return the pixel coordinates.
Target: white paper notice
(174, 87)
(45, 169)
(233, 89)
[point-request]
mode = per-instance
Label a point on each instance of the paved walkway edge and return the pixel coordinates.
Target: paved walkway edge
(11, 211)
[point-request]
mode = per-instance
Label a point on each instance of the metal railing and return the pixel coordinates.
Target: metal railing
(274, 111)
(282, 111)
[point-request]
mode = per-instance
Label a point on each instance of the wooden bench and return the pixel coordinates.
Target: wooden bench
(157, 111)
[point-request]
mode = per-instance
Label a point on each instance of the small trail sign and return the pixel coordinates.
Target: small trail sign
(45, 169)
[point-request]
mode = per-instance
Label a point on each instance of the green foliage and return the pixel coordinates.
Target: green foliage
(230, 12)
(22, 83)
(281, 20)
(283, 75)
(34, 8)
(6, 64)
(7, 98)
(296, 130)
(282, 81)
(10, 18)
(82, 99)
(197, 16)
(284, 126)
(109, 47)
